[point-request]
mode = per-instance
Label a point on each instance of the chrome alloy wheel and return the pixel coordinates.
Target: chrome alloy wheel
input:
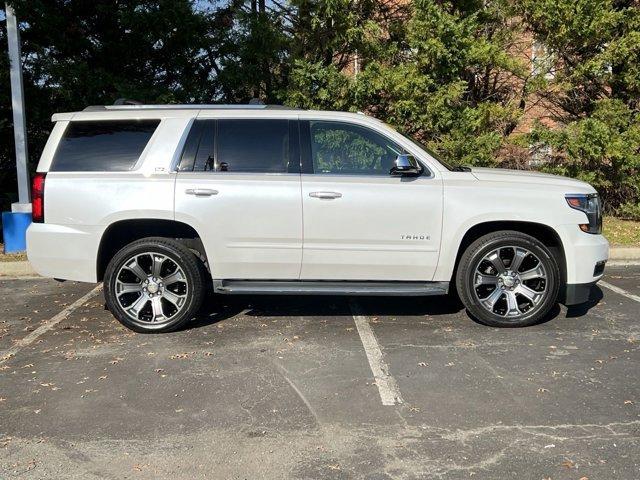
(510, 282)
(151, 288)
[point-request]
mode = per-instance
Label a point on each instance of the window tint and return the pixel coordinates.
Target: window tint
(252, 146)
(205, 157)
(197, 154)
(342, 148)
(191, 146)
(102, 146)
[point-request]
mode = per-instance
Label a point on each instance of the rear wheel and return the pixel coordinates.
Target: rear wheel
(508, 279)
(154, 285)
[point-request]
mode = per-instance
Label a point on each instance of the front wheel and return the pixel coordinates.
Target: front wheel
(508, 279)
(154, 285)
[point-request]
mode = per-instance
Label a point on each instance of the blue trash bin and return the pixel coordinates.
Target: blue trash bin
(14, 231)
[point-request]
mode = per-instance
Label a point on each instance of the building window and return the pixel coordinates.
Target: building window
(542, 61)
(540, 154)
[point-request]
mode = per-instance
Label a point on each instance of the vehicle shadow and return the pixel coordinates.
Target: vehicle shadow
(595, 295)
(218, 308)
(221, 307)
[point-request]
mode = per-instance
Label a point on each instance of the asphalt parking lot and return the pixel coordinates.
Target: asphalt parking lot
(285, 387)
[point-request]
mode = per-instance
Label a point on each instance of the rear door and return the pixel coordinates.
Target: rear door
(361, 223)
(238, 184)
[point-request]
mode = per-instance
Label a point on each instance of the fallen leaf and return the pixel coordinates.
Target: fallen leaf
(179, 355)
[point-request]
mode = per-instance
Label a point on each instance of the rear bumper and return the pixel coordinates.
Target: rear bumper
(63, 252)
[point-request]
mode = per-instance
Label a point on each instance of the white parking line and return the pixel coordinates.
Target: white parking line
(48, 325)
(387, 386)
(619, 290)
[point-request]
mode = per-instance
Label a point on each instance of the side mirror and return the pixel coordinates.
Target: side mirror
(405, 164)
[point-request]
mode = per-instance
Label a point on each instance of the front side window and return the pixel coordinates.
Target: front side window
(260, 146)
(94, 146)
(346, 149)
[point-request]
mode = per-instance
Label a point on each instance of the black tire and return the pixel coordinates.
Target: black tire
(189, 289)
(474, 264)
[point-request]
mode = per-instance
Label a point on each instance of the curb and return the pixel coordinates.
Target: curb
(24, 268)
(624, 253)
(17, 269)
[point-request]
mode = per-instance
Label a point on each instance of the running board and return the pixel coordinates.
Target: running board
(321, 287)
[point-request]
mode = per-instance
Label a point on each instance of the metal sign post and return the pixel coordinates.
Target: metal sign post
(17, 105)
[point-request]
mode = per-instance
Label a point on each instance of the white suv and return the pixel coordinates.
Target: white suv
(164, 202)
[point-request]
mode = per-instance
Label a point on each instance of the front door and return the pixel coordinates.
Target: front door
(361, 223)
(238, 185)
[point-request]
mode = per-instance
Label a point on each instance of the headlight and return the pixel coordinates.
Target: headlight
(589, 203)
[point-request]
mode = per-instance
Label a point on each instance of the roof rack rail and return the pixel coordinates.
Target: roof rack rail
(127, 101)
(137, 106)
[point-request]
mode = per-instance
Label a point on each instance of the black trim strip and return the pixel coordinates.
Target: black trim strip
(294, 165)
(306, 163)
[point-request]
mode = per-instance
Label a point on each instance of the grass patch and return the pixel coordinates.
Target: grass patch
(11, 257)
(624, 233)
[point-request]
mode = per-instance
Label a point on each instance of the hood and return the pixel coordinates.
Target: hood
(529, 177)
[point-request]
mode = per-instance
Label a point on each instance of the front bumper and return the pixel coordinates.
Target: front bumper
(586, 255)
(576, 293)
(582, 252)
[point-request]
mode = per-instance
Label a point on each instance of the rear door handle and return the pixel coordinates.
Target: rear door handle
(201, 192)
(325, 195)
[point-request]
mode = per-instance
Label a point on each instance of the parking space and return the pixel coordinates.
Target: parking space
(285, 387)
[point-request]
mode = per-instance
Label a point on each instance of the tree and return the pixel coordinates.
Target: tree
(83, 53)
(439, 71)
(595, 92)
(7, 162)
(453, 74)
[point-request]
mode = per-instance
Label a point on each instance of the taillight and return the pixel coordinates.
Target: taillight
(37, 198)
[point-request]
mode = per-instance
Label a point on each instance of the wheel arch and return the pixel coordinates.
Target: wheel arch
(123, 232)
(544, 233)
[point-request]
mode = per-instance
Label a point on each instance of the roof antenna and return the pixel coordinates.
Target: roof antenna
(127, 101)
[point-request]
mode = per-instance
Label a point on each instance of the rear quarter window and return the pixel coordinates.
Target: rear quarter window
(112, 146)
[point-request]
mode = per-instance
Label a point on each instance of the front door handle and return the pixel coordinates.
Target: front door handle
(325, 195)
(201, 192)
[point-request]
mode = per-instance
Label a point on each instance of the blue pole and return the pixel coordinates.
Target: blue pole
(15, 223)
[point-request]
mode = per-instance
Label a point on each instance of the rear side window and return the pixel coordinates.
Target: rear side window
(112, 146)
(252, 146)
